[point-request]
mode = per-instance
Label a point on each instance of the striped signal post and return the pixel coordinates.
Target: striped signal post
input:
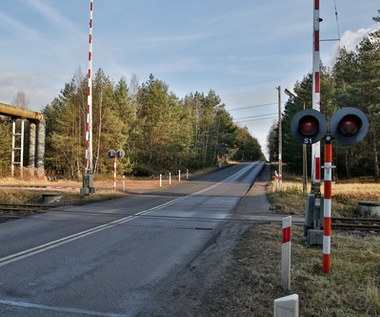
(326, 262)
(316, 97)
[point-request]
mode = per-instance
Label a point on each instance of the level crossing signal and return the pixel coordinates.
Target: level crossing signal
(348, 126)
(308, 126)
(116, 153)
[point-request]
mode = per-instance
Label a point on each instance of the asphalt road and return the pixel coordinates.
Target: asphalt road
(110, 258)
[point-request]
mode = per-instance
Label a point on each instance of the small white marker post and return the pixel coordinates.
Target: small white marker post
(160, 180)
(187, 173)
(179, 175)
(286, 306)
(123, 183)
(286, 252)
(170, 178)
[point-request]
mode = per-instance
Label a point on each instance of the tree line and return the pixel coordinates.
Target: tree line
(353, 81)
(158, 131)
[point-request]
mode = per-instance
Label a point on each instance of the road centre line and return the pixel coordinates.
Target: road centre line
(56, 243)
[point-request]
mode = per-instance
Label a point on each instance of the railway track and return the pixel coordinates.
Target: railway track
(10, 211)
(360, 224)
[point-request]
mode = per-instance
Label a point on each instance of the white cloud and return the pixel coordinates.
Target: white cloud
(350, 39)
(16, 27)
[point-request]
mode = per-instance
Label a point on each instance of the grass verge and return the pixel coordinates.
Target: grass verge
(253, 281)
(345, 196)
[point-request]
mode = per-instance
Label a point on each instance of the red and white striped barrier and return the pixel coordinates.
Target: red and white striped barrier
(88, 154)
(286, 252)
(326, 262)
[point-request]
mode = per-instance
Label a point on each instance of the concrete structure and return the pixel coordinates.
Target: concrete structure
(36, 121)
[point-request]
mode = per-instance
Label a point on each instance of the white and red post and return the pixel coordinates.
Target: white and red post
(114, 173)
(316, 99)
(124, 189)
(326, 262)
(286, 252)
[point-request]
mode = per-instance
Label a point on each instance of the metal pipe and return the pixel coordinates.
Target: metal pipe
(18, 112)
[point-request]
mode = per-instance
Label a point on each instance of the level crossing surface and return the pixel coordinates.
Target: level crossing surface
(110, 258)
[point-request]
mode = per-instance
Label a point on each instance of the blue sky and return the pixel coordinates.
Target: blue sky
(242, 49)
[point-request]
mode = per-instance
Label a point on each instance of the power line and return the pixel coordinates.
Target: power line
(255, 106)
(258, 117)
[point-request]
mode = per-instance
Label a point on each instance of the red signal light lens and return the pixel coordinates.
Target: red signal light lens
(308, 126)
(349, 125)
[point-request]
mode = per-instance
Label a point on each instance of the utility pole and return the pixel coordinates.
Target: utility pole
(291, 93)
(279, 134)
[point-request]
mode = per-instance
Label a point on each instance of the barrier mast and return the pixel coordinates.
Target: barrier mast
(316, 99)
(88, 185)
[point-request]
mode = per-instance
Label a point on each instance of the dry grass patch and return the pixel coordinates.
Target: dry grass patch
(253, 282)
(28, 196)
(345, 196)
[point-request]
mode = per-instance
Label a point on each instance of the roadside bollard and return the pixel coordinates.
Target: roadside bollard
(160, 180)
(114, 174)
(179, 175)
(187, 174)
(170, 178)
(286, 252)
(123, 183)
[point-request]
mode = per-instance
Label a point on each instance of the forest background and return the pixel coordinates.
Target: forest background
(159, 132)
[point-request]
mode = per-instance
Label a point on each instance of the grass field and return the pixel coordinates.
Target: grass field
(252, 283)
(345, 196)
